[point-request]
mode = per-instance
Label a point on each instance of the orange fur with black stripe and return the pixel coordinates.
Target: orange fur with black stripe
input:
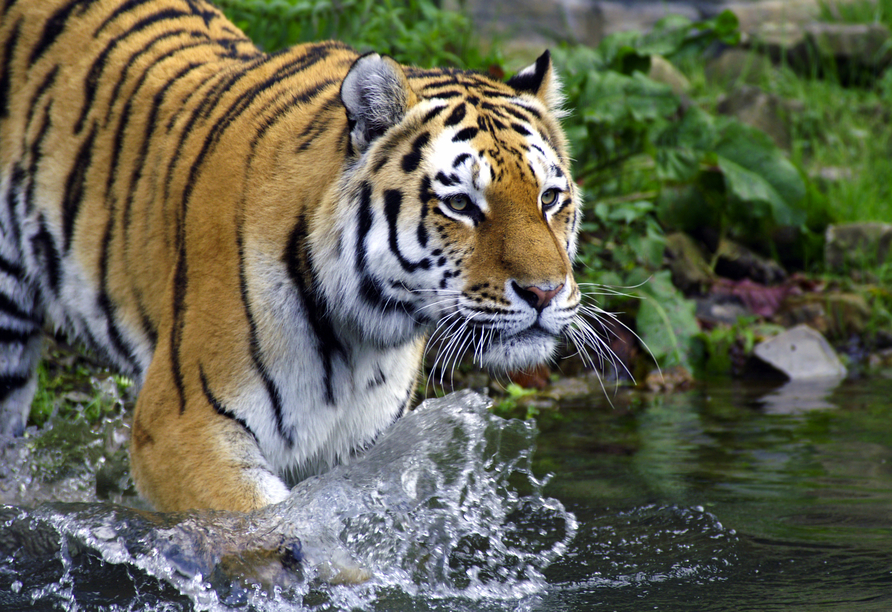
(264, 242)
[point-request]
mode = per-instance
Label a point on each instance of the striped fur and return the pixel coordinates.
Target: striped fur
(264, 242)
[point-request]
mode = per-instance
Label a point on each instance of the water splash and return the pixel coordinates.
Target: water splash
(443, 507)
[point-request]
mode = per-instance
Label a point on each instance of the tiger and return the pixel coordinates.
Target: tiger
(265, 242)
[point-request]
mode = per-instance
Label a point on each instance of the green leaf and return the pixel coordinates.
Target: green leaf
(757, 171)
(666, 321)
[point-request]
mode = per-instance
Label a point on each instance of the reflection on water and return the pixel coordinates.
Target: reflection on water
(728, 497)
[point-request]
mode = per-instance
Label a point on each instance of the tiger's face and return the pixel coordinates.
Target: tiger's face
(465, 217)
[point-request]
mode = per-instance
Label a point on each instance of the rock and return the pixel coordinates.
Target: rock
(801, 353)
(760, 109)
(735, 261)
(851, 46)
(687, 262)
(835, 314)
(857, 245)
(880, 360)
(738, 66)
(675, 378)
(799, 396)
(751, 15)
(663, 71)
(572, 387)
(641, 16)
(850, 51)
(715, 310)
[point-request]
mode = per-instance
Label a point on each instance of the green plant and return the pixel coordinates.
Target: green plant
(857, 11)
(509, 406)
(416, 32)
(646, 160)
(73, 388)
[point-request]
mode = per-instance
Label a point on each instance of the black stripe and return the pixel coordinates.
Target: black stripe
(448, 181)
(75, 187)
(517, 114)
(6, 68)
(17, 177)
(456, 116)
(48, 81)
(180, 274)
(54, 26)
(180, 282)
(91, 83)
(8, 306)
(122, 78)
(298, 263)
(6, 6)
(425, 195)
(148, 325)
(35, 152)
(446, 95)
(412, 159)
(460, 159)
(445, 82)
(108, 308)
(272, 390)
(242, 102)
(534, 112)
(280, 108)
(369, 288)
(11, 268)
(393, 200)
(10, 383)
(46, 252)
(218, 407)
(17, 336)
(363, 224)
(123, 8)
(151, 126)
(432, 113)
(523, 131)
(465, 134)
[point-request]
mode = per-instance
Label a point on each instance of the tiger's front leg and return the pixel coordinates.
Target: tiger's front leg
(186, 453)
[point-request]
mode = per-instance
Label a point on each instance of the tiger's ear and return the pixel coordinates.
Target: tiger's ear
(377, 95)
(541, 80)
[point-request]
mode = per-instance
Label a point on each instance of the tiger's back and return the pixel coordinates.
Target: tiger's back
(263, 241)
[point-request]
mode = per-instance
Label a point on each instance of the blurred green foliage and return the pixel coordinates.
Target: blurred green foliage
(416, 32)
(648, 160)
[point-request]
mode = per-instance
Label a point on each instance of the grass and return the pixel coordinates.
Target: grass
(840, 137)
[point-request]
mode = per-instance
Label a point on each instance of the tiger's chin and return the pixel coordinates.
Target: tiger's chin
(518, 352)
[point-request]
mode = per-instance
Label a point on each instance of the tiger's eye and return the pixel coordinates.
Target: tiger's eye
(549, 196)
(459, 202)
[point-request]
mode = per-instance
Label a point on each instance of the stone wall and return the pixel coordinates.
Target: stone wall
(538, 23)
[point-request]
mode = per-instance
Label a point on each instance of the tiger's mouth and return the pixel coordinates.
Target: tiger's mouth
(524, 349)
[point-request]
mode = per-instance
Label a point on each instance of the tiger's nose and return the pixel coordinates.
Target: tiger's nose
(537, 297)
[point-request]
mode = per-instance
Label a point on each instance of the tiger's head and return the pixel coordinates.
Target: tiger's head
(457, 210)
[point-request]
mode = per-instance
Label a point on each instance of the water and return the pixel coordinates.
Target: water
(728, 497)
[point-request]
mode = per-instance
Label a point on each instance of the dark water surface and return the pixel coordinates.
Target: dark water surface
(731, 496)
(795, 485)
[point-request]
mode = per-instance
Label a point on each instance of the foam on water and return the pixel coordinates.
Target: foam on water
(443, 507)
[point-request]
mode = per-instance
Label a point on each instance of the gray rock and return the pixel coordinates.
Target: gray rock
(856, 246)
(690, 270)
(663, 71)
(801, 353)
(852, 52)
(739, 66)
(800, 396)
(761, 110)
